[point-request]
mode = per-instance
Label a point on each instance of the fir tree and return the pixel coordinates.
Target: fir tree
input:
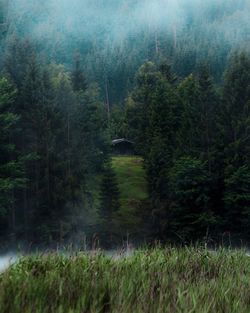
(79, 81)
(109, 201)
(11, 171)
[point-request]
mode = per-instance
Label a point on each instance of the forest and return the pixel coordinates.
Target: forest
(173, 77)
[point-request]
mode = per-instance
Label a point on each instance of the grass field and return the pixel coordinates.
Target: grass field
(133, 189)
(131, 178)
(187, 280)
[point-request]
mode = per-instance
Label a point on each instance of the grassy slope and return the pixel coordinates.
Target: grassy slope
(132, 185)
(156, 281)
(131, 179)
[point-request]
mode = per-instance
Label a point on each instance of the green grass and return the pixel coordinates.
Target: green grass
(131, 179)
(187, 280)
(133, 190)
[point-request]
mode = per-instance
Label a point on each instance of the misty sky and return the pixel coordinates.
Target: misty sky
(119, 18)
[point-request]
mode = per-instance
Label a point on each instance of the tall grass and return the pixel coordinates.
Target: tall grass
(183, 280)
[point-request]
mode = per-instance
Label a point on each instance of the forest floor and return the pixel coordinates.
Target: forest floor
(161, 280)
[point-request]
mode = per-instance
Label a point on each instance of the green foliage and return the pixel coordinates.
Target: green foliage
(236, 109)
(109, 202)
(192, 136)
(194, 140)
(62, 143)
(190, 198)
(78, 79)
(11, 176)
(237, 199)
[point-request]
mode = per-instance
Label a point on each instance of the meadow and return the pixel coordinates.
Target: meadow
(159, 280)
(131, 179)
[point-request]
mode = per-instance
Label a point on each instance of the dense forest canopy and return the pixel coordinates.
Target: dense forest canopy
(170, 76)
(116, 37)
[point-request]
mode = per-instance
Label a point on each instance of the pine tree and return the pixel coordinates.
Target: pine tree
(11, 171)
(189, 132)
(236, 111)
(79, 81)
(19, 52)
(237, 200)
(235, 119)
(109, 201)
(190, 213)
(66, 102)
(207, 102)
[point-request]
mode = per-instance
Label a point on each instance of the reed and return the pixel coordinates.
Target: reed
(160, 280)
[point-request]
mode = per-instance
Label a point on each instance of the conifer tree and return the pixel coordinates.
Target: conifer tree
(79, 81)
(190, 213)
(236, 111)
(237, 200)
(207, 102)
(109, 200)
(11, 171)
(235, 121)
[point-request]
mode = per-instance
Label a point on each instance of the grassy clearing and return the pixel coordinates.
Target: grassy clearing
(155, 281)
(133, 190)
(131, 179)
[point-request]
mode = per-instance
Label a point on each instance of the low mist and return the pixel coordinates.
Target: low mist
(115, 20)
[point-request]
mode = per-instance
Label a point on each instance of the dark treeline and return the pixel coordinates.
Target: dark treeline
(53, 145)
(195, 141)
(190, 122)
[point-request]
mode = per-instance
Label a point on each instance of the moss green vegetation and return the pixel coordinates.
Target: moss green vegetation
(161, 280)
(133, 190)
(131, 179)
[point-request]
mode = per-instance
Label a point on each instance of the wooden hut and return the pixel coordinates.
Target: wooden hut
(123, 147)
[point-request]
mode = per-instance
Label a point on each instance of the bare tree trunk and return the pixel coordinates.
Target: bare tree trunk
(25, 212)
(13, 217)
(208, 139)
(107, 99)
(208, 151)
(47, 160)
(61, 233)
(157, 49)
(175, 35)
(68, 141)
(37, 175)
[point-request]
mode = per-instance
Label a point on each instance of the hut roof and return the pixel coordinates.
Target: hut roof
(117, 141)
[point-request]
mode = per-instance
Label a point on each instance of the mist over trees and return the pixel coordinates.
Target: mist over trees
(115, 38)
(172, 76)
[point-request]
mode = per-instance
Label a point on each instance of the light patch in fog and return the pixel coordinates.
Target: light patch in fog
(6, 261)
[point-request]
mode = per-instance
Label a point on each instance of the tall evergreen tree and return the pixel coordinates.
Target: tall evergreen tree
(79, 81)
(11, 171)
(207, 102)
(190, 214)
(236, 111)
(237, 201)
(109, 201)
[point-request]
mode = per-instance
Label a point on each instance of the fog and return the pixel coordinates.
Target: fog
(115, 37)
(6, 261)
(116, 19)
